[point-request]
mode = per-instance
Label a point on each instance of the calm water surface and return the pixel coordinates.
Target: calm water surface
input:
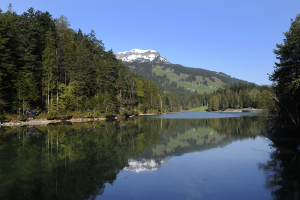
(201, 115)
(187, 155)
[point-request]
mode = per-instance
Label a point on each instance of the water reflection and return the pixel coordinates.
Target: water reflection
(66, 161)
(188, 135)
(282, 174)
(142, 164)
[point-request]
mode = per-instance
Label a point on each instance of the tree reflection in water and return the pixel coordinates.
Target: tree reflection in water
(63, 161)
(282, 174)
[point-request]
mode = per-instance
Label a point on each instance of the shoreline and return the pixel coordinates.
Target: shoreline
(142, 114)
(280, 137)
(243, 110)
(39, 122)
(235, 110)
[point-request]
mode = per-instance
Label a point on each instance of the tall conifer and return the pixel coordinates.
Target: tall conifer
(49, 68)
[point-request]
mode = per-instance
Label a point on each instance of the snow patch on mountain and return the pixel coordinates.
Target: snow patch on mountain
(138, 55)
(139, 165)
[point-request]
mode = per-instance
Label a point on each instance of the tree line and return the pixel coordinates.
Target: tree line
(46, 64)
(234, 95)
(240, 95)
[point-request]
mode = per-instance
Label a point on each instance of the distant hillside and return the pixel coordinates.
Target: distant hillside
(182, 80)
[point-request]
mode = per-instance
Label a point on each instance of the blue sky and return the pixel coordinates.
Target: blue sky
(233, 36)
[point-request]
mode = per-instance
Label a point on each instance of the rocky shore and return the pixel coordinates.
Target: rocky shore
(33, 122)
(37, 122)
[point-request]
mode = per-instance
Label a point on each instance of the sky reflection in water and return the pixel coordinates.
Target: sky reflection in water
(228, 172)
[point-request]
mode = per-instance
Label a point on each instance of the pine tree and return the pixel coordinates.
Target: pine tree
(27, 91)
(49, 69)
(8, 45)
(66, 46)
(287, 77)
(287, 71)
(3, 58)
(80, 76)
(27, 40)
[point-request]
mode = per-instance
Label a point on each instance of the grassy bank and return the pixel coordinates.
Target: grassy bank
(202, 108)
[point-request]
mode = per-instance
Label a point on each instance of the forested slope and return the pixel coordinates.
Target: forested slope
(61, 71)
(182, 80)
(218, 91)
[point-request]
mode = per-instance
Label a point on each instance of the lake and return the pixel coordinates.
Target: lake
(186, 155)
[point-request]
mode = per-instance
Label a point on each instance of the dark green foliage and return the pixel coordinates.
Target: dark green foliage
(8, 58)
(285, 113)
(191, 78)
(240, 96)
(46, 64)
(21, 83)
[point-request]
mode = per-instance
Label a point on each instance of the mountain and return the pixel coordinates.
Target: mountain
(174, 78)
(182, 80)
(137, 55)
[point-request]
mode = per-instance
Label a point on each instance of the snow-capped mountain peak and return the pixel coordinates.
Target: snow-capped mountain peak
(138, 55)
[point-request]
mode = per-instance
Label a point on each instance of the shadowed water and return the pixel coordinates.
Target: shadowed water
(147, 158)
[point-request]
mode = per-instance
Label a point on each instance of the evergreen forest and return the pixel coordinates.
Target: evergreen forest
(60, 71)
(241, 96)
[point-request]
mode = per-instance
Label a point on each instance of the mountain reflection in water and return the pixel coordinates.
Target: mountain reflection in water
(189, 135)
(76, 161)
